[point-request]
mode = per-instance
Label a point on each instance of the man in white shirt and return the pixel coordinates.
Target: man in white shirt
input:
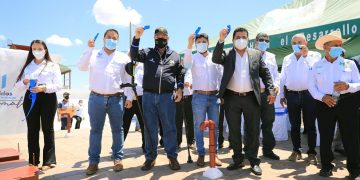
(184, 113)
(333, 82)
(240, 88)
(294, 93)
(206, 82)
(267, 110)
(107, 73)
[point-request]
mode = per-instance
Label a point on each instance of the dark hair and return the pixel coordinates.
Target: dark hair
(202, 35)
(31, 57)
(108, 30)
(240, 29)
(260, 35)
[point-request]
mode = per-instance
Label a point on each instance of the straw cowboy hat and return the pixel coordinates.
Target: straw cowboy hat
(333, 36)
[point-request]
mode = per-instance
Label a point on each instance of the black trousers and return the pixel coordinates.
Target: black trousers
(267, 119)
(78, 121)
(235, 106)
(306, 104)
(129, 114)
(345, 113)
(221, 124)
(43, 112)
(184, 113)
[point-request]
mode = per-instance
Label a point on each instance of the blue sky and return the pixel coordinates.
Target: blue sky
(67, 25)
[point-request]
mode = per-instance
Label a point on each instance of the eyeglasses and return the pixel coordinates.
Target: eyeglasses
(262, 40)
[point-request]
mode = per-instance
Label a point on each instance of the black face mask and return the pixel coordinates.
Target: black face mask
(160, 43)
(66, 97)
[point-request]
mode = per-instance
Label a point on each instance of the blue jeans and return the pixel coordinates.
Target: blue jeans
(202, 105)
(159, 107)
(99, 106)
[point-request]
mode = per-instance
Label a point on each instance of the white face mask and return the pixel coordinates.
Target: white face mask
(240, 43)
(39, 54)
(201, 47)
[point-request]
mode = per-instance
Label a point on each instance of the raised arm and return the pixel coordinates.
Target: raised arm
(219, 54)
(84, 63)
(135, 53)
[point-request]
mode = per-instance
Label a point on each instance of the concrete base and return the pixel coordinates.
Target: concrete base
(213, 173)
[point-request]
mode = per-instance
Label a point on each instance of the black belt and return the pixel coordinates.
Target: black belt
(242, 94)
(109, 95)
(297, 92)
(185, 97)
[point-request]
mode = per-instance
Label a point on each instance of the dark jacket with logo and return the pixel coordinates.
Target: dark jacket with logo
(160, 72)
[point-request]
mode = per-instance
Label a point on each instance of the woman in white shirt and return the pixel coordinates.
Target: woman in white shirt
(41, 95)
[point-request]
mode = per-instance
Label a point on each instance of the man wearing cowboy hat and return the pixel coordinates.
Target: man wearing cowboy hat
(333, 81)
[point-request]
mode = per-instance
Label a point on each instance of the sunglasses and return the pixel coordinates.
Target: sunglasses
(262, 40)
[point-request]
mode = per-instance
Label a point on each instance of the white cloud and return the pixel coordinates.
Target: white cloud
(2, 37)
(58, 40)
(113, 12)
(78, 42)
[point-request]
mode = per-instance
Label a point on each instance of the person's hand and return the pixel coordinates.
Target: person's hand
(221, 101)
(191, 41)
(304, 50)
(276, 90)
(341, 86)
(283, 102)
(37, 89)
(138, 32)
(271, 99)
(178, 95)
(128, 104)
(91, 43)
(329, 101)
(59, 119)
(223, 34)
(26, 81)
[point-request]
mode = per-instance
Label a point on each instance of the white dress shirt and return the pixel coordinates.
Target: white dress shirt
(139, 74)
(270, 61)
(107, 72)
(240, 81)
(206, 75)
(188, 79)
(324, 74)
(47, 74)
(294, 72)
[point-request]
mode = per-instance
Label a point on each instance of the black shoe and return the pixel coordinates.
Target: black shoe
(256, 170)
(326, 172)
(174, 164)
(272, 156)
(149, 164)
(235, 166)
(340, 151)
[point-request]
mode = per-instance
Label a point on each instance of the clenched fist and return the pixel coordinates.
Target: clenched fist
(223, 34)
(138, 32)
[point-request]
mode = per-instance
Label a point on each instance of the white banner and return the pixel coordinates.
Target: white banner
(12, 118)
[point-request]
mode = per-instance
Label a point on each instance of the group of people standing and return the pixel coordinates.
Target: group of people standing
(244, 81)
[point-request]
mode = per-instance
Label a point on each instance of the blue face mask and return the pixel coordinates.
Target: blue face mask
(263, 46)
(110, 44)
(336, 51)
(296, 48)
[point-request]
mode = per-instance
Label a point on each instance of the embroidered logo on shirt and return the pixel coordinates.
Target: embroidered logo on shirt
(152, 60)
(171, 62)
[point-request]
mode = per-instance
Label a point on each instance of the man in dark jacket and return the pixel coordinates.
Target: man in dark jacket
(240, 88)
(162, 69)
